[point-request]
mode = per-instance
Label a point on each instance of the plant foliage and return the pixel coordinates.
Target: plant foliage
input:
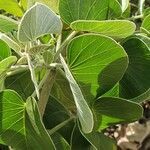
(69, 69)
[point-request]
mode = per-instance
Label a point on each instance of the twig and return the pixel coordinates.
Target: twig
(59, 126)
(60, 49)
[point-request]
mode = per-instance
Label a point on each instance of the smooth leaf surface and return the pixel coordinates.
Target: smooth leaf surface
(14, 9)
(33, 22)
(136, 80)
(7, 24)
(83, 111)
(72, 10)
(146, 24)
(92, 59)
(20, 123)
(111, 110)
(4, 50)
(114, 28)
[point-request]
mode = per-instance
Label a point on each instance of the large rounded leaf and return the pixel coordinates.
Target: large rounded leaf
(71, 10)
(95, 61)
(111, 111)
(37, 21)
(4, 50)
(137, 77)
(113, 28)
(20, 123)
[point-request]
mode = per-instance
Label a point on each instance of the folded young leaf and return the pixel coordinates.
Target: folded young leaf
(83, 111)
(110, 110)
(33, 22)
(20, 124)
(113, 28)
(71, 10)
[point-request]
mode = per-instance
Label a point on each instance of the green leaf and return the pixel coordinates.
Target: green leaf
(78, 141)
(96, 60)
(33, 75)
(21, 83)
(136, 79)
(72, 10)
(7, 24)
(33, 22)
(60, 142)
(83, 111)
(4, 50)
(146, 24)
(11, 43)
(48, 57)
(53, 4)
(54, 115)
(113, 28)
(99, 141)
(20, 123)
(38, 49)
(111, 111)
(6, 63)
(114, 9)
(143, 97)
(114, 92)
(62, 92)
(11, 6)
